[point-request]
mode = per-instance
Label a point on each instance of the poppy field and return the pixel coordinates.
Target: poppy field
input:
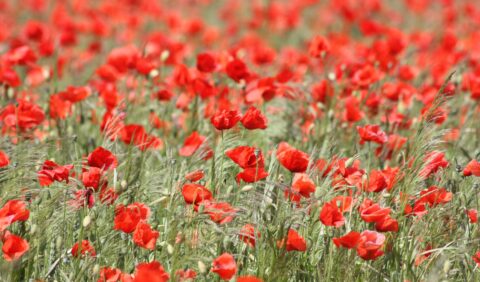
(263, 140)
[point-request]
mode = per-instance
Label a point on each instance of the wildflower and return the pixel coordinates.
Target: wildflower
(225, 266)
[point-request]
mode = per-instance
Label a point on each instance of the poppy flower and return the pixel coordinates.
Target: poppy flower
(191, 144)
(365, 76)
(4, 160)
(302, 186)
(206, 63)
(219, 212)
(52, 171)
(92, 178)
(372, 133)
(249, 278)
(246, 157)
(108, 196)
(26, 115)
(372, 212)
(434, 196)
(225, 119)
(75, 94)
(102, 158)
(254, 119)
(12, 211)
(252, 174)
(472, 168)
(248, 235)
(186, 275)
(370, 244)
(109, 274)
(386, 224)
(349, 240)
(195, 176)
(127, 217)
(292, 159)
(352, 111)
(14, 247)
(472, 215)
(295, 242)
(135, 134)
(144, 236)
(476, 258)
(84, 249)
(195, 193)
(237, 70)
(434, 162)
(330, 215)
(150, 272)
(318, 47)
(59, 108)
(225, 266)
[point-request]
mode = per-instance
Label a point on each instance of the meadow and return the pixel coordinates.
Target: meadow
(263, 140)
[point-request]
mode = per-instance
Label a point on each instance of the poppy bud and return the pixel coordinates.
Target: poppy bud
(164, 55)
(202, 268)
(86, 221)
(59, 242)
(247, 188)
(33, 229)
(170, 249)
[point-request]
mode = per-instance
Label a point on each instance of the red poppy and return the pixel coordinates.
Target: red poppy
(318, 47)
(127, 217)
(372, 212)
(295, 242)
(249, 278)
(387, 224)
(12, 211)
(434, 196)
(92, 178)
(330, 215)
(472, 215)
(254, 119)
(225, 119)
(4, 160)
(186, 275)
(144, 236)
(476, 258)
(246, 157)
(219, 212)
(26, 115)
(206, 63)
(292, 159)
(349, 240)
(195, 193)
(237, 70)
(191, 144)
(14, 247)
(472, 168)
(195, 176)
(434, 161)
(135, 134)
(370, 244)
(225, 266)
(52, 171)
(372, 133)
(251, 175)
(86, 248)
(59, 108)
(150, 272)
(248, 235)
(109, 274)
(75, 94)
(102, 158)
(302, 186)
